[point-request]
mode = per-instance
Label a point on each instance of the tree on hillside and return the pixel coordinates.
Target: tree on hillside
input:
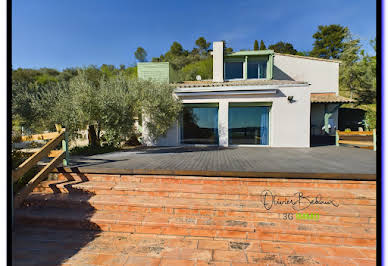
(358, 72)
(262, 45)
(303, 53)
(329, 41)
(140, 54)
(256, 45)
(202, 45)
(283, 47)
(227, 49)
(176, 49)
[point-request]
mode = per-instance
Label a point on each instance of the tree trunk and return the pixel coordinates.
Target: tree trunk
(92, 136)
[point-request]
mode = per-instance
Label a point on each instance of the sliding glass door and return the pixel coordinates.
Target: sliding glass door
(248, 123)
(199, 124)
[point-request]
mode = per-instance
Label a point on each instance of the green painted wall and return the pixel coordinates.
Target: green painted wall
(157, 71)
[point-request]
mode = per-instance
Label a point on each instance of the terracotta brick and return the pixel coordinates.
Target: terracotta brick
(266, 258)
(366, 262)
(293, 238)
(345, 252)
(122, 228)
(231, 234)
(203, 232)
(368, 253)
(213, 263)
(213, 244)
(188, 254)
(104, 259)
(182, 243)
(335, 261)
(148, 229)
(170, 262)
(141, 261)
(262, 235)
(221, 255)
(172, 230)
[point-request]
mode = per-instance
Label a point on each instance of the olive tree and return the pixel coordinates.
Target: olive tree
(107, 108)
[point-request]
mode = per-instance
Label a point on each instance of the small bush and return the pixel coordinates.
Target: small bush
(370, 119)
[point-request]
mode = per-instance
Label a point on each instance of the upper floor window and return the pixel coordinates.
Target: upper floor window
(257, 70)
(233, 70)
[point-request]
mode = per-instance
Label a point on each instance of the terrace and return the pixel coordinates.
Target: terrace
(324, 161)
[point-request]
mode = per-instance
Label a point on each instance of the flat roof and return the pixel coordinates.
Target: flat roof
(257, 82)
(329, 98)
(250, 53)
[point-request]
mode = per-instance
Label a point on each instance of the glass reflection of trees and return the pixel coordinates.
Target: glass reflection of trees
(193, 133)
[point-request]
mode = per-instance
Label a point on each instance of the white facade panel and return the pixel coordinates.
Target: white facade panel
(322, 75)
(289, 123)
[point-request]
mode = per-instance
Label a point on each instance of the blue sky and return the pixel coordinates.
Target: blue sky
(60, 34)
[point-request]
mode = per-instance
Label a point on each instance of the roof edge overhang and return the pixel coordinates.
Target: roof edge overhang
(228, 93)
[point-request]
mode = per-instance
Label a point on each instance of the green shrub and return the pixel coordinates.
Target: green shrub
(370, 119)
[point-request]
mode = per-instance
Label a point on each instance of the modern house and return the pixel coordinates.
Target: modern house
(256, 98)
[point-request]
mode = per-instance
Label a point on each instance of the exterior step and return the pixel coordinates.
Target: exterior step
(225, 218)
(362, 194)
(115, 221)
(123, 202)
(194, 213)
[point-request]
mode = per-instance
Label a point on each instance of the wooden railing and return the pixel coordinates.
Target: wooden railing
(362, 139)
(46, 151)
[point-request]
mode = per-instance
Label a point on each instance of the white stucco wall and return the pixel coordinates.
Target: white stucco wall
(322, 75)
(218, 61)
(289, 122)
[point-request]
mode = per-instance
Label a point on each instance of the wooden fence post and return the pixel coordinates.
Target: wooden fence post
(336, 138)
(374, 139)
(65, 147)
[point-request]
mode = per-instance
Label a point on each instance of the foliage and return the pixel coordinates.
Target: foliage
(204, 68)
(262, 45)
(161, 108)
(203, 45)
(106, 107)
(256, 45)
(329, 41)
(358, 71)
(283, 47)
(303, 53)
(140, 54)
(227, 49)
(370, 119)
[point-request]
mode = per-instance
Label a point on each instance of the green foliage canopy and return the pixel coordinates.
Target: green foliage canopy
(329, 41)
(283, 47)
(256, 46)
(140, 54)
(262, 45)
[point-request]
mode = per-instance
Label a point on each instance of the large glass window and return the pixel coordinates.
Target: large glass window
(257, 70)
(199, 124)
(234, 70)
(248, 123)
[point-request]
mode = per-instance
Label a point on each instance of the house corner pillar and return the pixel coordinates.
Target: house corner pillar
(223, 110)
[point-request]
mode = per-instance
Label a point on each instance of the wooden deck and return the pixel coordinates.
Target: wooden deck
(328, 162)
